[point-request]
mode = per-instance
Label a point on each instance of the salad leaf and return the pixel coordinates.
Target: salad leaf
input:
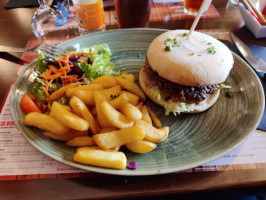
(222, 86)
(41, 64)
(38, 91)
(101, 62)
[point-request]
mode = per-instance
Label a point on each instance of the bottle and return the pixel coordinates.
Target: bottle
(90, 15)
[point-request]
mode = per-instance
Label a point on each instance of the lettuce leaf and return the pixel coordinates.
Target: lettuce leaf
(41, 65)
(101, 62)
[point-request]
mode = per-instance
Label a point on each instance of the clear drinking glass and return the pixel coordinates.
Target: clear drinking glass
(49, 22)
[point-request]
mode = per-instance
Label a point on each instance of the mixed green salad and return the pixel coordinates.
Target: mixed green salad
(85, 65)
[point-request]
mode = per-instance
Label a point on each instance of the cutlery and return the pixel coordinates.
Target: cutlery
(256, 62)
(47, 49)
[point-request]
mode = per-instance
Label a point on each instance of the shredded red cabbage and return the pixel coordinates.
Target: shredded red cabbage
(132, 165)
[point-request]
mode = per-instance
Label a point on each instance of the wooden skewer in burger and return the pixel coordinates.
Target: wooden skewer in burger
(184, 72)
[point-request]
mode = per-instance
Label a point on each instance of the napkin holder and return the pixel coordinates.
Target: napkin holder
(258, 30)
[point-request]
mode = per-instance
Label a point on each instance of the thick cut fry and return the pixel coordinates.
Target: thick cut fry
(120, 100)
(133, 99)
(85, 96)
(131, 87)
(117, 138)
(145, 114)
(153, 134)
(112, 92)
(67, 118)
(154, 117)
(103, 121)
(81, 110)
(45, 122)
(70, 91)
(81, 141)
(101, 158)
(65, 137)
(128, 76)
(61, 91)
(107, 81)
(142, 146)
(114, 117)
(131, 111)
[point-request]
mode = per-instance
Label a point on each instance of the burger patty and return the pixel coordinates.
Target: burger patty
(177, 92)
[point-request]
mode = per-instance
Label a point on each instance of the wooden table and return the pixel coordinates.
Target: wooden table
(15, 30)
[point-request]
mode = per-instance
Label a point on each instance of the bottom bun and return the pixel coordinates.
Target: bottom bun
(198, 107)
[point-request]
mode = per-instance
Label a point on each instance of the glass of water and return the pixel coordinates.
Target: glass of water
(48, 22)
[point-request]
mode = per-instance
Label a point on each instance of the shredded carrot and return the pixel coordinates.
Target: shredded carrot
(64, 68)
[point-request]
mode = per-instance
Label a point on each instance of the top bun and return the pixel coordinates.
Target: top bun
(191, 63)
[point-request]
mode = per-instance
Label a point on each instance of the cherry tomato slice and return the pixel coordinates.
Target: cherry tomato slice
(28, 105)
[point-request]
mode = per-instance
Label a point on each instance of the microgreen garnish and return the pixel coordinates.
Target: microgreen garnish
(209, 43)
(211, 50)
(177, 43)
(169, 43)
(184, 34)
(192, 54)
(167, 39)
(168, 47)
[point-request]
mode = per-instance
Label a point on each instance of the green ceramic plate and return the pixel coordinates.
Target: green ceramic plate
(194, 139)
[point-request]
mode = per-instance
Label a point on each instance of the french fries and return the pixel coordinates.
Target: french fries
(45, 122)
(133, 99)
(70, 92)
(101, 158)
(131, 111)
(98, 97)
(128, 76)
(145, 115)
(85, 96)
(114, 117)
(117, 138)
(120, 100)
(113, 110)
(68, 118)
(81, 110)
(142, 146)
(112, 92)
(154, 118)
(61, 91)
(153, 134)
(131, 87)
(107, 81)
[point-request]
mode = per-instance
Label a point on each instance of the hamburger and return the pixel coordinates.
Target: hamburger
(185, 76)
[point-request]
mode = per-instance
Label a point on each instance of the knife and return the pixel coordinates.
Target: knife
(256, 62)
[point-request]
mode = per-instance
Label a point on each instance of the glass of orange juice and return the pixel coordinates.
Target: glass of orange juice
(90, 15)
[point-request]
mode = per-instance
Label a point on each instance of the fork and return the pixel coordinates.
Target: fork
(51, 50)
(47, 49)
